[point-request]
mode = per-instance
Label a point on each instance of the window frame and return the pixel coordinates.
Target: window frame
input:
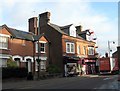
(42, 47)
(78, 49)
(71, 44)
(84, 50)
(36, 46)
(90, 50)
(6, 39)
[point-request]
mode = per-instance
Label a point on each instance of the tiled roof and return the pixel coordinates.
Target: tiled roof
(60, 29)
(22, 34)
(67, 26)
(56, 27)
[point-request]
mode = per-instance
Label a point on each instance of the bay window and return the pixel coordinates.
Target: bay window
(3, 42)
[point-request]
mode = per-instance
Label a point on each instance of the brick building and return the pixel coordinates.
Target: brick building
(21, 46)
(68, 47)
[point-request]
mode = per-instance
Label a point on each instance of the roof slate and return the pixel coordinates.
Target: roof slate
(56, 27)
(61, 29)
(22, 34)
(64, 27)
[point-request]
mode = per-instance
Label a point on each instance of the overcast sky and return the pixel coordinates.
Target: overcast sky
(100, 17)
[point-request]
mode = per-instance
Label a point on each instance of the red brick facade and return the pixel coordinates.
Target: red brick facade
(22, 49)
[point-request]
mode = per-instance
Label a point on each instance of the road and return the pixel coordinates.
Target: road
(84, 82)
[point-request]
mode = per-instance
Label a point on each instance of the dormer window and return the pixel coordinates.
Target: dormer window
(72, 31)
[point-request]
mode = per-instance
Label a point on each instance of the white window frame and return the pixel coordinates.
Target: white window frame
(84, 50)
(7, 38)
(90, 50)
(78, 49)
(36, 46)
(43, 48)
(70, 49)
(43, 65)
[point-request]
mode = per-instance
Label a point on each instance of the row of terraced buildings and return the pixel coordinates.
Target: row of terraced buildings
(47, 43)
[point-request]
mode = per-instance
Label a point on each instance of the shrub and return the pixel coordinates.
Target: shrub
(11, 62)
(53, 69)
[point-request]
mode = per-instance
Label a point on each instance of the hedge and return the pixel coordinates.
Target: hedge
(11, 72)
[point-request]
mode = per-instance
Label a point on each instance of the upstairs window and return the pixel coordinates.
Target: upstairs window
(84, 50)
(3, 42)
(90, 50)
(42, 47)
(36, 47)
(78, 49)
(70, 47)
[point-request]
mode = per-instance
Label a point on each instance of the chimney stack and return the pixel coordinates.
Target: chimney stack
(44, 18)
(32, 24)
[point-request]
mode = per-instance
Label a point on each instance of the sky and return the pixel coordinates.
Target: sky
(98, 16)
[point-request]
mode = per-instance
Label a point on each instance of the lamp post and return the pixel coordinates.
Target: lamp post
(109, 50)
(38, 60)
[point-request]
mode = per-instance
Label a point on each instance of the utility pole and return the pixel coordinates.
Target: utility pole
(109, 50)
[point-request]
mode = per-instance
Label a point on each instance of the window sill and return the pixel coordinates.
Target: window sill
(5, 49)
(41, 52)
(90, 54)
(70, 53)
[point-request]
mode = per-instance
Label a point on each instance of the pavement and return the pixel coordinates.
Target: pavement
(111, 85)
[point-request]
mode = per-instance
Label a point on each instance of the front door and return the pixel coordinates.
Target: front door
(29, 65)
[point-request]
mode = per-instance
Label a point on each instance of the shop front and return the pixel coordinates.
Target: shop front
(88, 66)
(70, 66)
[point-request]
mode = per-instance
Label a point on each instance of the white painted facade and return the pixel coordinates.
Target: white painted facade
(72, 31)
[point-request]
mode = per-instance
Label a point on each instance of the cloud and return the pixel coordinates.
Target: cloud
(62, 13)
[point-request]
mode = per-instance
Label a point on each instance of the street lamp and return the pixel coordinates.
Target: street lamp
(109, 50)
(38, 60)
